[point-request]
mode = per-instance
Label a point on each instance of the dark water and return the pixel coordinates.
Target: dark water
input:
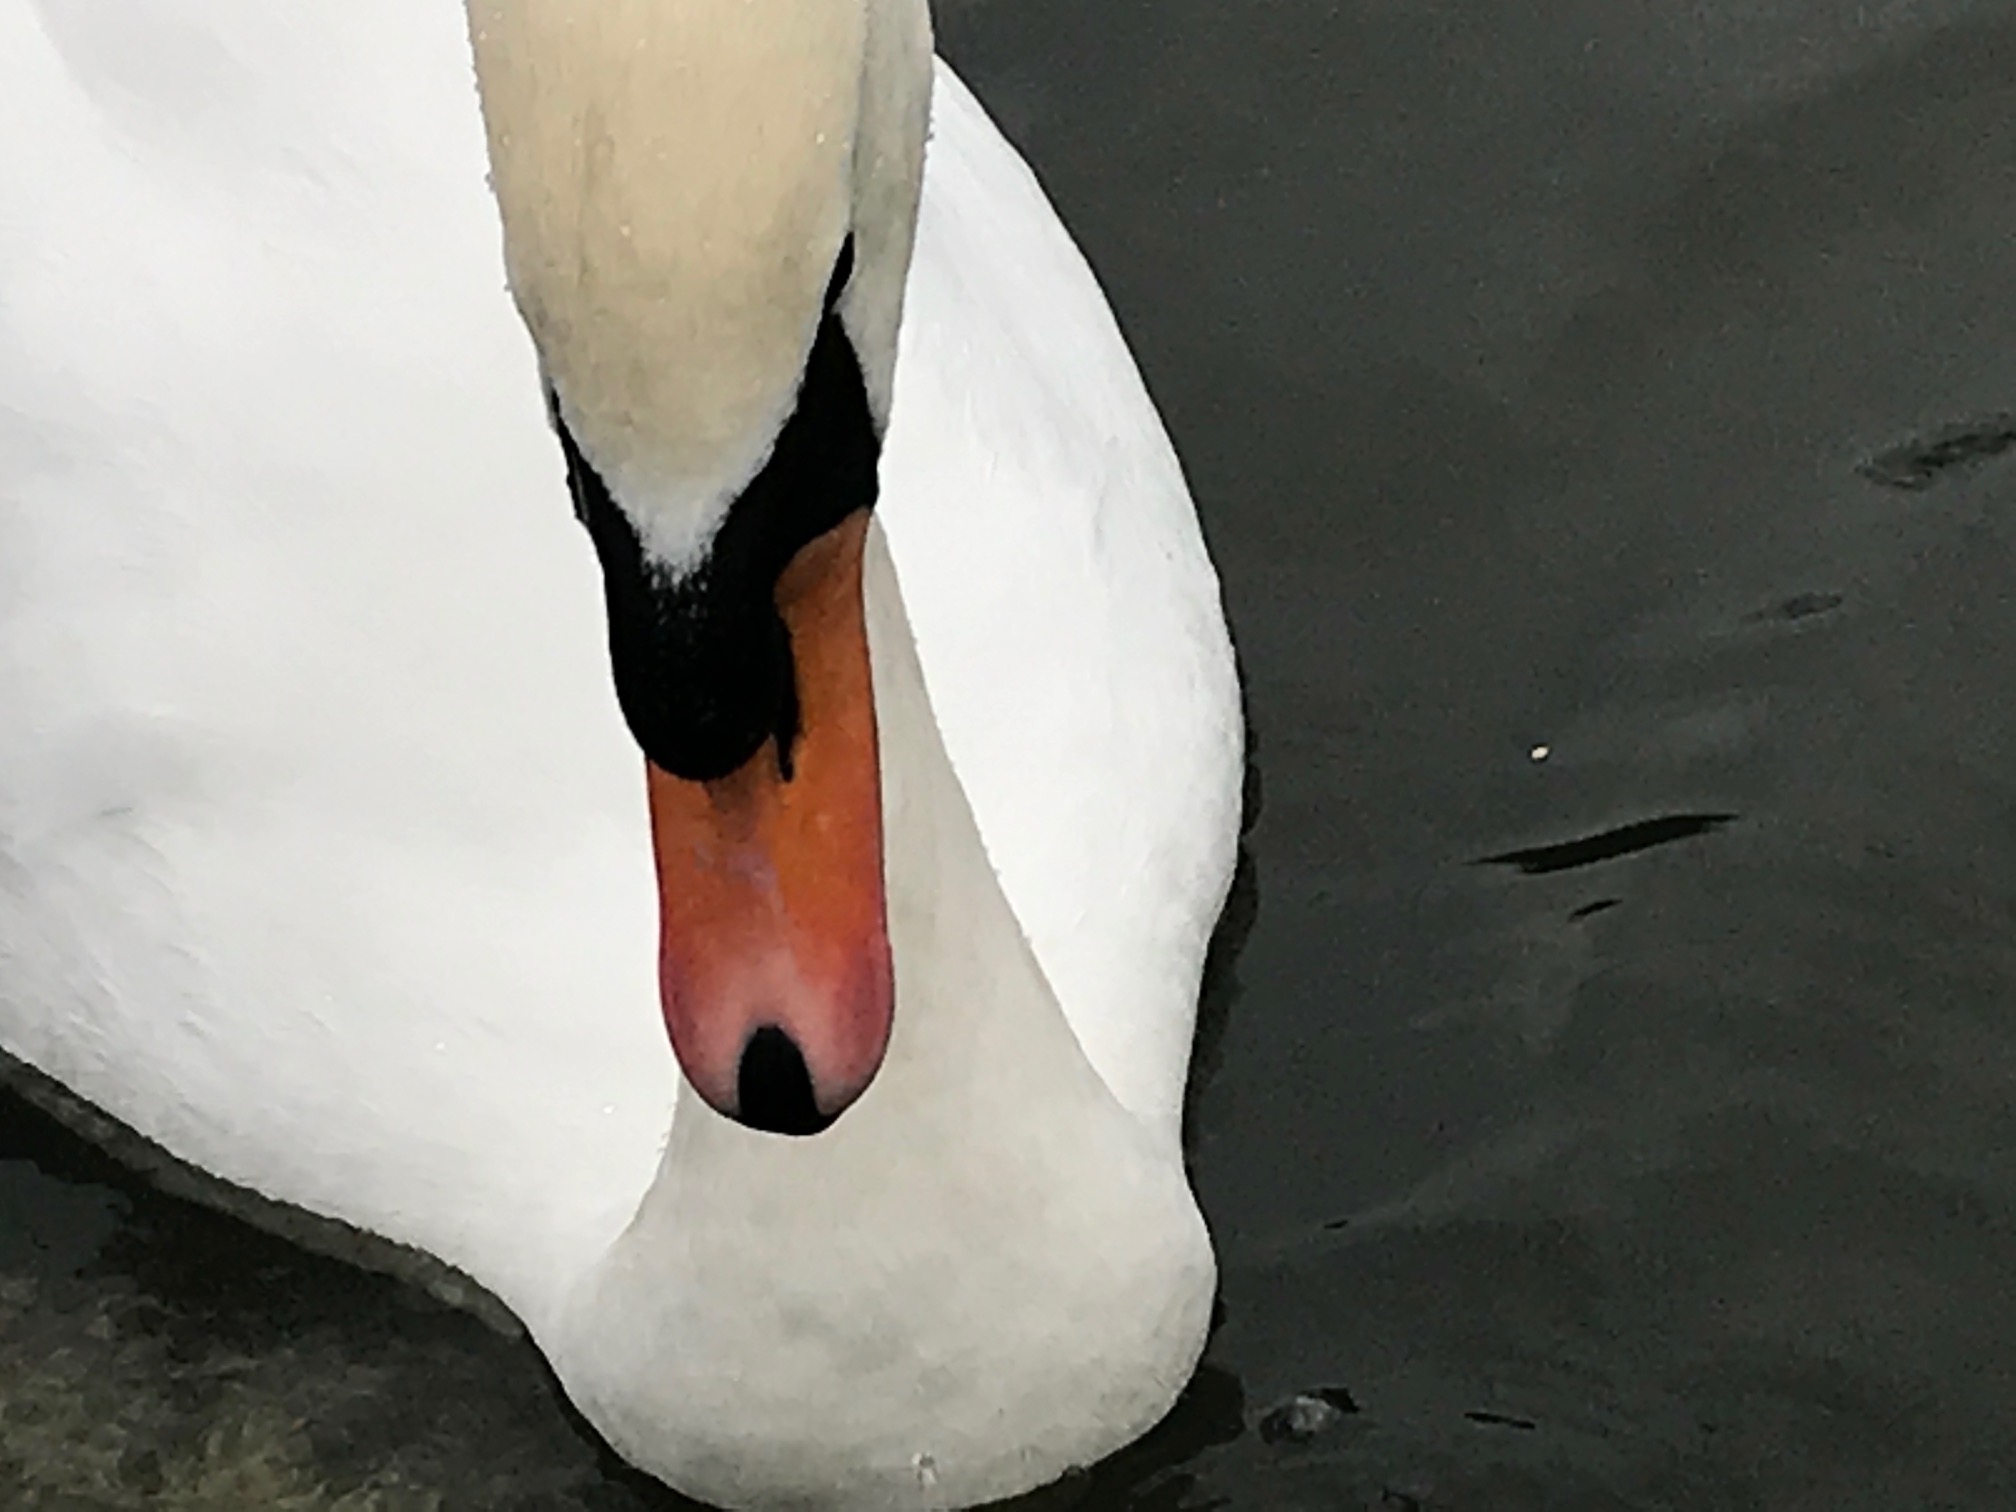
(1601, 412)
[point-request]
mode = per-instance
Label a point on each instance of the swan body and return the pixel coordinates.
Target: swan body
(324, 858)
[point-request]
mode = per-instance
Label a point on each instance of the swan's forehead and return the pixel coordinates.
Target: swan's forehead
(675, 182)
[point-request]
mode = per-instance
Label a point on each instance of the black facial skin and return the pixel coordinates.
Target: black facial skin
(703, 666)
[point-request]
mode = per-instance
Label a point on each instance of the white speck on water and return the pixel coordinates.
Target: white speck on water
(1541, 752)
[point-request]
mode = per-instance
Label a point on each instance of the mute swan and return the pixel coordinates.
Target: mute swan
(327, 859)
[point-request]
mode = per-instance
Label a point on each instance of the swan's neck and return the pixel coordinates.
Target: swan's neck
(986, 1272)
(675, 180)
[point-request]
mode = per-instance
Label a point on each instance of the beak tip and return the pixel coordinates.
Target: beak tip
(772, 1088)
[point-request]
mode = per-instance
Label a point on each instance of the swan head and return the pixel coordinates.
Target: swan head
(707, 209)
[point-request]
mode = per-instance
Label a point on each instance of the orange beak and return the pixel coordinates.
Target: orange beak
(774, 951)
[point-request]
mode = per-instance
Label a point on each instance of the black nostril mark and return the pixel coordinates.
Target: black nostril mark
(773, 1088)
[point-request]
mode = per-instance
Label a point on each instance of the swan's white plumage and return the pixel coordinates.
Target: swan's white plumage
(323, 855)
(1069, 567)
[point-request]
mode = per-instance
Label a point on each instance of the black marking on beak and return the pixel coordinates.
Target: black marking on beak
(773, 1087)
(703, 665)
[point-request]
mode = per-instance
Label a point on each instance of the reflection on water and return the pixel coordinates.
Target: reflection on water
(1599, 410)
(155, 1354)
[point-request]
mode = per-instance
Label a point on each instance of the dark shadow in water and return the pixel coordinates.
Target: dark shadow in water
(1219, 989)
(1917, 465)
(1800, 606)
(1502, 1420)
(1587, 850)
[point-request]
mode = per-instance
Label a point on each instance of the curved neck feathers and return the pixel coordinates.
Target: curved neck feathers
(676, 178)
